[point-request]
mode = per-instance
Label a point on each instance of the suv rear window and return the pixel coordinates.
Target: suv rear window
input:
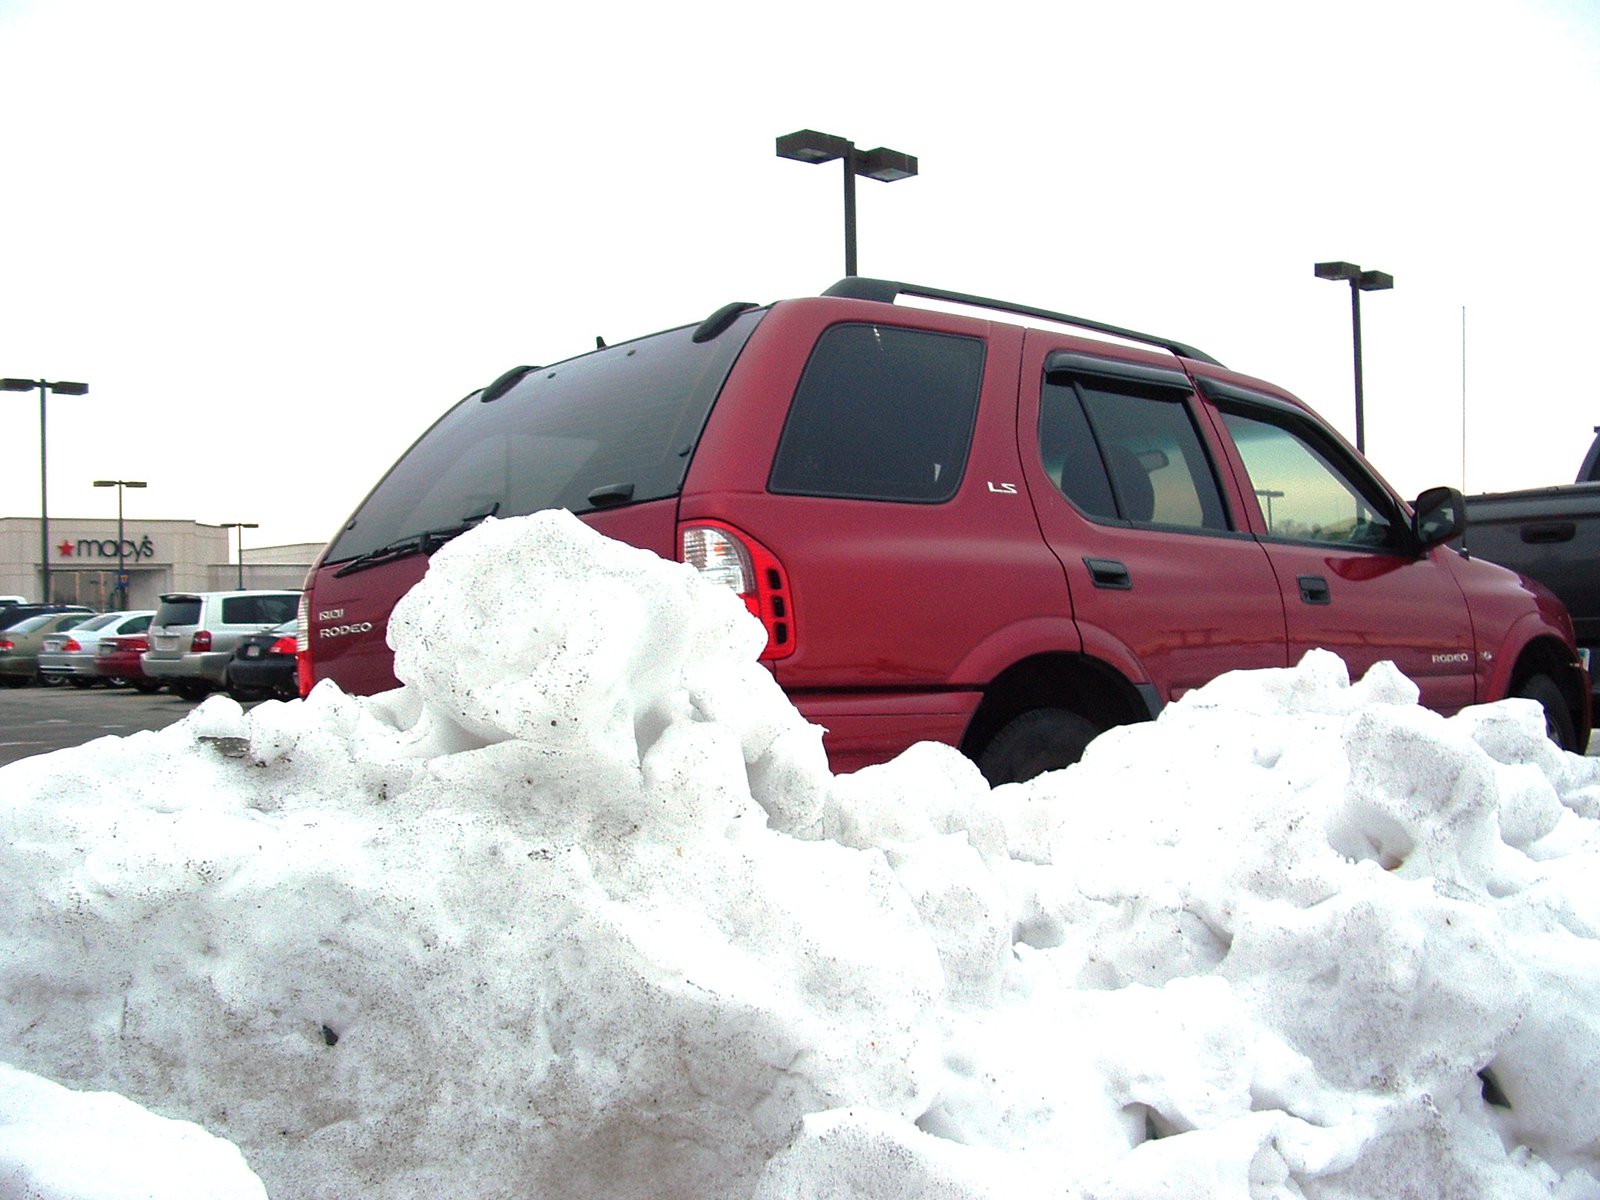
(258, 610)
(881, 413)
(617, 425)
(183, 610)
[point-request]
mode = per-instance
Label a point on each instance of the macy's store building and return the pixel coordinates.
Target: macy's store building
(156, 556)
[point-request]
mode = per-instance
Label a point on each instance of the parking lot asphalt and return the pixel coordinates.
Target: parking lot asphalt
(35, 720)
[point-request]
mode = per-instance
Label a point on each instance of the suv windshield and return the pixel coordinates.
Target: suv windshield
(615, 426)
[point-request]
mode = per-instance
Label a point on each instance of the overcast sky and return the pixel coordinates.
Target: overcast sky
(277, 241)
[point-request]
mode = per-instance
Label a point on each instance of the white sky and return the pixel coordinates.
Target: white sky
(278, 242)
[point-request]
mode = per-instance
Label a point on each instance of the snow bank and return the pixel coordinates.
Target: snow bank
(580, 911)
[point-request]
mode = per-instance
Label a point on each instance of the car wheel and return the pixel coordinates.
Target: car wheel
(17, 680)
(1557, 720)
(81, 681)
(146, 685)
(115, 680)
(1040, 740)
(190, 690)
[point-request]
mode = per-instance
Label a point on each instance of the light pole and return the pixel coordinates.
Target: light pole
(809, 146)
(241, 526)
(1360, 281)
(122, 573)
(45, 387)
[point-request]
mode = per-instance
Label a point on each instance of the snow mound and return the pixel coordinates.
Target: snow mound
(579, 910)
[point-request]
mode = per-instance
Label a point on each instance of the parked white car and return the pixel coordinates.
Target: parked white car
(69, 655)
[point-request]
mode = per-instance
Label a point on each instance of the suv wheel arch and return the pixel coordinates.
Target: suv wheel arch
(1097, 695)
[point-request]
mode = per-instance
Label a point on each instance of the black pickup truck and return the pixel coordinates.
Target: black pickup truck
(1551, 534)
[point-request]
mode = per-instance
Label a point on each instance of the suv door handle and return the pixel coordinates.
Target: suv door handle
(1109, 573)
(1314, 590)
(1549, 532)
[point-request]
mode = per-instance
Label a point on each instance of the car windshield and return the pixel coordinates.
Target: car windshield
(614, 426)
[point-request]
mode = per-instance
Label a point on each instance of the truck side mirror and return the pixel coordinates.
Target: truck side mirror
(1438, 515)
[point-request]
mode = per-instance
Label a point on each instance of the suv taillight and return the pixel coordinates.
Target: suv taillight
(201, 641)
(724, 555)
(302, 642)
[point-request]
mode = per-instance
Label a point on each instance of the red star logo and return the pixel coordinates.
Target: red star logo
(64, 549)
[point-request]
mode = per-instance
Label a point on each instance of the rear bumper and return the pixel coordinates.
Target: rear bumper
(861, 730)
(211, 667)
(63, 666)
(266, 675)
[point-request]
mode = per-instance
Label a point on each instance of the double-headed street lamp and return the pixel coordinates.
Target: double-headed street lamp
(809, 146)
(241, 526)
(122, 573)
(45, 387)
(1360, 281)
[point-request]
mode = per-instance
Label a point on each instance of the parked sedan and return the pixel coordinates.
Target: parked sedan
(71, 655)
(20, 644)
(263, 664)
(120, 660)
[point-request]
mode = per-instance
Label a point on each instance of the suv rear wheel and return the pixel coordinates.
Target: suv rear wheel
(1039, 740)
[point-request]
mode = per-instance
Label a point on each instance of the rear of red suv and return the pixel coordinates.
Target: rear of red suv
(960, 528)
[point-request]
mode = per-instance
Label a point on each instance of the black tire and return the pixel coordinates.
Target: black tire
(1040, 740)
(190, 690)
(147, 685)
(114, 681)
(17, 680)
(83, 681)
(1557, 719)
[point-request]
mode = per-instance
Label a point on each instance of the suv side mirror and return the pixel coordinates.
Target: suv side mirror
(1438, 515)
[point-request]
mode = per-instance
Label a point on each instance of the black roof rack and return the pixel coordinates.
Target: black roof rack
(887, 291)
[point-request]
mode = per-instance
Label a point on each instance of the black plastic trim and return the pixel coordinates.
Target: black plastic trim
(1071, 363)
(504, 384)
(886, 291)
(719, 321)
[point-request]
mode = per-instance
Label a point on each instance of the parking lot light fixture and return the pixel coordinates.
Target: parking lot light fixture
(1360, 281)
(45, 386)
(121, 589)
(241, 526)
(882, 164)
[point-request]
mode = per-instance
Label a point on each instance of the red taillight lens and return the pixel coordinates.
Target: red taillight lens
(71, 646)
(302, 642)
(284, 645)
(7, 644)
(724, 555)
(201, 641)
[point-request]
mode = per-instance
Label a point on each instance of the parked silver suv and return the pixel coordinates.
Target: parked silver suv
(194, 634)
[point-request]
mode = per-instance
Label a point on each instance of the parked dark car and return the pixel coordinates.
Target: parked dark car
(964, 526)
(263, 664)
(10, 614)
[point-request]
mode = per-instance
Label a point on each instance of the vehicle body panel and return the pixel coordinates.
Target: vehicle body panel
(940, 616)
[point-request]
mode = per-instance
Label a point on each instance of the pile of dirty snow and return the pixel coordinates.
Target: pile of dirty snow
(580, 911)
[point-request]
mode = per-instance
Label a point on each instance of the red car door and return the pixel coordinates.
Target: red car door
(1166, 584)
(1352, 579)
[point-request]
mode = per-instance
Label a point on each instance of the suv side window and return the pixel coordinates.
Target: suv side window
(258, 610)
(881, 413)
(1305, 496)
(1119, 450)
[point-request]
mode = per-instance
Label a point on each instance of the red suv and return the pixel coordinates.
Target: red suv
(961, 528)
